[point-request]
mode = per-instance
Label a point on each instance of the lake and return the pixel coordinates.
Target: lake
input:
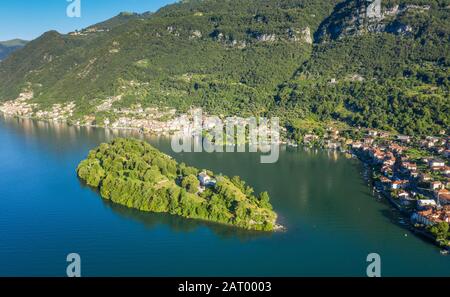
(333, 220)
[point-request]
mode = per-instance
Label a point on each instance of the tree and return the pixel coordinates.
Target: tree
(191, 183)
(264, 200)
(440, 231)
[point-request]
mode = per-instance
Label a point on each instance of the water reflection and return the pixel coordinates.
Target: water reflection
(311, 182)
(182, 225)
(177, 224)
(63, 138)
(333, 220)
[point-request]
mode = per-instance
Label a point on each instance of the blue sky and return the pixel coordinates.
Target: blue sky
(28, 19)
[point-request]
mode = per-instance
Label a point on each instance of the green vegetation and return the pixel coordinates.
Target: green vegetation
(134, 174)
(441, 232)
(255, 58)
(10, 46)
(364, 73)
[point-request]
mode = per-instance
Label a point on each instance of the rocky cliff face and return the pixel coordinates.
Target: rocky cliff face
(360, 17)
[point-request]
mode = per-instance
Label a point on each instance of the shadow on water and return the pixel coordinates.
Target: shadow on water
(182, 225)
(153, 220)
(402, 221)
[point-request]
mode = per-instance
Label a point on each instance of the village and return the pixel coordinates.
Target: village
(412, 173)
(146, 120)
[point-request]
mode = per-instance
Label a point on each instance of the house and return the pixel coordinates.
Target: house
(446, 170)
(425, 177)
(383, 134)
(431, 141)
(333, 145)
(404, 158)
(368, 141)
(334, 132)
(427, 144)
(436, 169)
(385, 180)
(447, 183)
(396, 148)
(389, 162)
(439, 150)
(426, 203)
(404, 198)
(409, 166)
(373, 133)
(377, 155)
(423, 217)
(399, 184)
(443, 196)
(431, 216)
(403, 194)
(436, 163)
(404, 138)
(206, 180)
(435, 185)
(357, 145)
(387, 170)
(308, 138)
(414, 173)
(446, 153)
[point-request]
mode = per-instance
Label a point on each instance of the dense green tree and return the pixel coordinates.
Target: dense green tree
(191, 183)
(134, 174)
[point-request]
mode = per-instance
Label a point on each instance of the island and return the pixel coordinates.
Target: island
(136, 175)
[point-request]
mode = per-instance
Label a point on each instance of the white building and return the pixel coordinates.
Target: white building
(436, 163)
(426, 202)
(206, 180)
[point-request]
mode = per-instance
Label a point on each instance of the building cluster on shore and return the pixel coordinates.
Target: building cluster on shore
(151, 120)
(412, 173)
(20, 106)
(148, 120)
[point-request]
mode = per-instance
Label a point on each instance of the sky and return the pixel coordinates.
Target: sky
(28, 19)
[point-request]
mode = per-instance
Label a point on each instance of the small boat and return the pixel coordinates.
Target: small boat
(444, 252)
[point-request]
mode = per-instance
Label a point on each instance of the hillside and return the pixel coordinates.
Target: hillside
(390, 72)
(314, 60)
(7, 47)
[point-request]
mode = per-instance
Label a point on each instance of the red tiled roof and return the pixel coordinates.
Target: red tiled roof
(444, 195)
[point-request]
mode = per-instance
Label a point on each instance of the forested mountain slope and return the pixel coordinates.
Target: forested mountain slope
(7, 47)
(314, 60)
(389, 72)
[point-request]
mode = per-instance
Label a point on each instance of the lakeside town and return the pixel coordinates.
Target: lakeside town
(413, 173)
(149, 120)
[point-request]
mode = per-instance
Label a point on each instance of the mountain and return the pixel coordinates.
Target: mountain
(7, 47)
(120, 19)
(389, 71)
(306, 61)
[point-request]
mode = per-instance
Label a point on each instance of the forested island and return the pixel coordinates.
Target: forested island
(135, 174)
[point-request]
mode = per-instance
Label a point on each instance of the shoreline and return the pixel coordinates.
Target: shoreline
(278, 227)
(406, 214)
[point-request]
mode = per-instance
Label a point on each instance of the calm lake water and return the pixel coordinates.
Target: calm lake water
(333, 220)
